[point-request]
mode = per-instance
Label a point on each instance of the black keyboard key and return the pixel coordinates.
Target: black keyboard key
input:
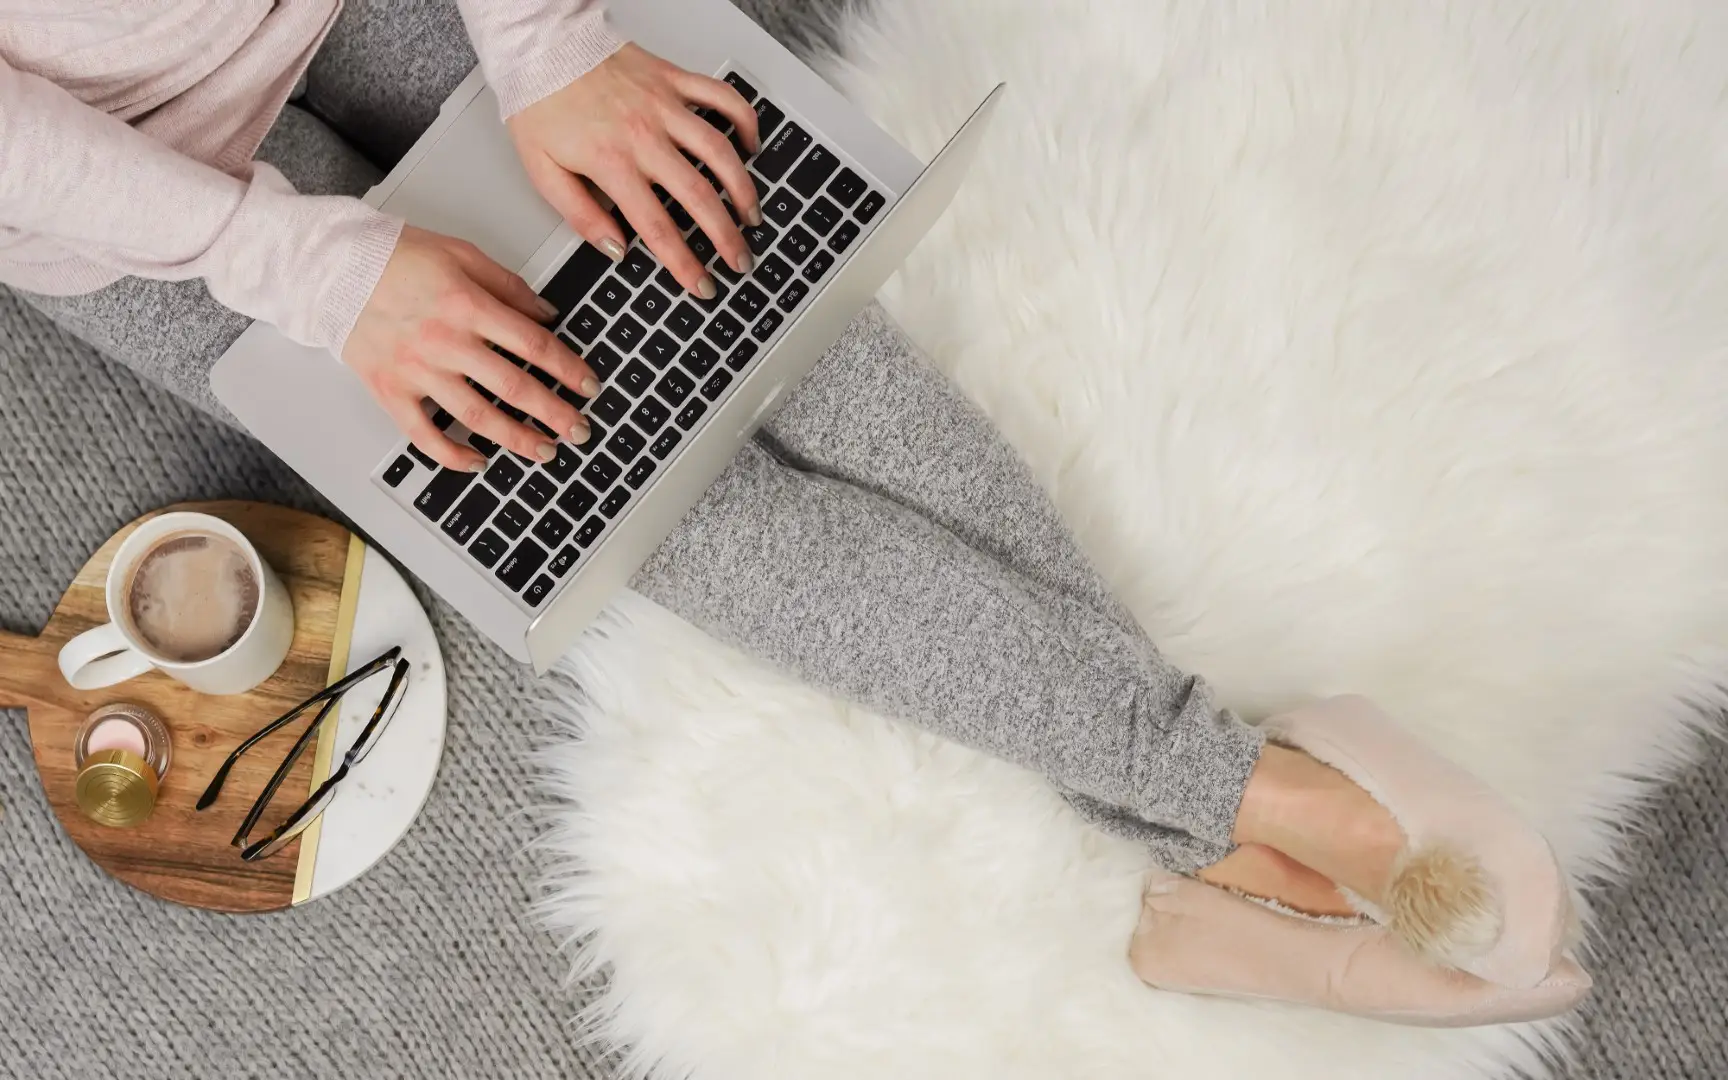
(846, 187)
(572, 396)
(650, 304)
(868, 209)
(680, 216)
(470, 514)
(782, 207)
(717, 385)
(748, 301)
(715, 120)
(513, 412)
(675, 386)
(818, 265)
(768, 117)
(577, 500)
(504, 474)
(537, 490)
(521, 565)
(552, 528)
(721, 292)
(639, 475)
(745, 90)
(513, 520)
(723, 330)
(668, 284)
(603, 360)
(701, 247)
(660, 349)
(762, 187)
(692, 413)
(596, 432)
(573, 280)
(586, 325)
(590, 531)
(760, 237)
(626, 333)
(636, 377)
(616, 501)
(626, 443)
(713, 181)
(774, 273)
(563, 561)
(602, 472)
(797, 245)
(765, 326)
(610, 406)
(822, 216)
(399, 470)
(699, 358)
(544, 428)
(844, 235)
(685, 320)
(794, 293)
(562, 467)
(723, 272)
(536, 593)
(422, 457)
(481, 443)
(651, 415)
(488, 548)
(636, 267)
(807, 179)
(782, 151)
(665, 444)
(442, 420)
(542, 376)
(742, 355)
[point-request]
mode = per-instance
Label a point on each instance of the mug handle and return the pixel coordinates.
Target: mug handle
(100, 657)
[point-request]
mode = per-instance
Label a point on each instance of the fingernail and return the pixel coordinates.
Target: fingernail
(744, 263)
(546, 451)
(705, 288)
(590, 387)
(548, 311)
(579, 433)
(477, 466)
(754, 217)
(613, 249)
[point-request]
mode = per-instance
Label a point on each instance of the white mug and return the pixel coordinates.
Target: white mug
(113, 653)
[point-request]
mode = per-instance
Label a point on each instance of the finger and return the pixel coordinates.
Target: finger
(568, 195)
(676, 175)
(699, 137)
(527, 340)
(501, 283)
(514, 387)
(486, 419)
(415, 424)
(657, 230)
(720, 97)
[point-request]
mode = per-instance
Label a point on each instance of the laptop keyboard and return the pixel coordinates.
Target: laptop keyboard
(664, 359)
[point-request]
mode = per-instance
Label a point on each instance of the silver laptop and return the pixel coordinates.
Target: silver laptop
(531, 552)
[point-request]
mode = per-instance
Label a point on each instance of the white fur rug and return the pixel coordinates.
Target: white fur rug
(1368, 346)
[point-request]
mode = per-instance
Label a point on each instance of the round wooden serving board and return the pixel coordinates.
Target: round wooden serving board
(179, 854)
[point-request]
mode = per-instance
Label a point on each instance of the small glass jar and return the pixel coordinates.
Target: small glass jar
(122, 754)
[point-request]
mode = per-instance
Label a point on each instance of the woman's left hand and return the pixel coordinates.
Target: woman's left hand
(621, 127)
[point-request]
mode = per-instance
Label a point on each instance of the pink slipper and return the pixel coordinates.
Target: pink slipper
(1476, 887)
(1194, 938)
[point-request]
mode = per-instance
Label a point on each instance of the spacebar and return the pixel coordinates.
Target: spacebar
(573, 280)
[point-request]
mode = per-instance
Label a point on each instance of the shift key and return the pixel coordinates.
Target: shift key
(442, 491)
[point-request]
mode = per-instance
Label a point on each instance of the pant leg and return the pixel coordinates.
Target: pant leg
(173, 332)
(881, 541)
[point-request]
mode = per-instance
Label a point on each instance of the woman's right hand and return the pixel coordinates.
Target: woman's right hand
(426, 330)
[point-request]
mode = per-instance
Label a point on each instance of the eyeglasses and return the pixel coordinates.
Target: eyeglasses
(327, 701)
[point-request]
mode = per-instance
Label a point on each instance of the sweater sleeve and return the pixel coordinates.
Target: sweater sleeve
(531, 48)
(119, 198)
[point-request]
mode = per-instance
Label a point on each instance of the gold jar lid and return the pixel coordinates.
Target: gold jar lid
(116, 788)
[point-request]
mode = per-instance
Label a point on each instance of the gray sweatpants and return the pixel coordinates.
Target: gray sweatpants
(879, 539)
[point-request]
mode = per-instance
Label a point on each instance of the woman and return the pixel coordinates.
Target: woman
(879, 539)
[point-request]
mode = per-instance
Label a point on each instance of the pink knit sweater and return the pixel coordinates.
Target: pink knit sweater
(127, 129)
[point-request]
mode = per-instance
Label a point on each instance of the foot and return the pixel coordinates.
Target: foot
(1257, 870)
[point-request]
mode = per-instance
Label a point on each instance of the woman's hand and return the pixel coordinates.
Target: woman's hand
(425, 331)
(621, 127)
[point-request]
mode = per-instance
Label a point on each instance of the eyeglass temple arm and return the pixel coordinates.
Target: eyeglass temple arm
(283, 769)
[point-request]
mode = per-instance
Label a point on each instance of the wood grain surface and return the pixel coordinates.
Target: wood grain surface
(180, 854)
